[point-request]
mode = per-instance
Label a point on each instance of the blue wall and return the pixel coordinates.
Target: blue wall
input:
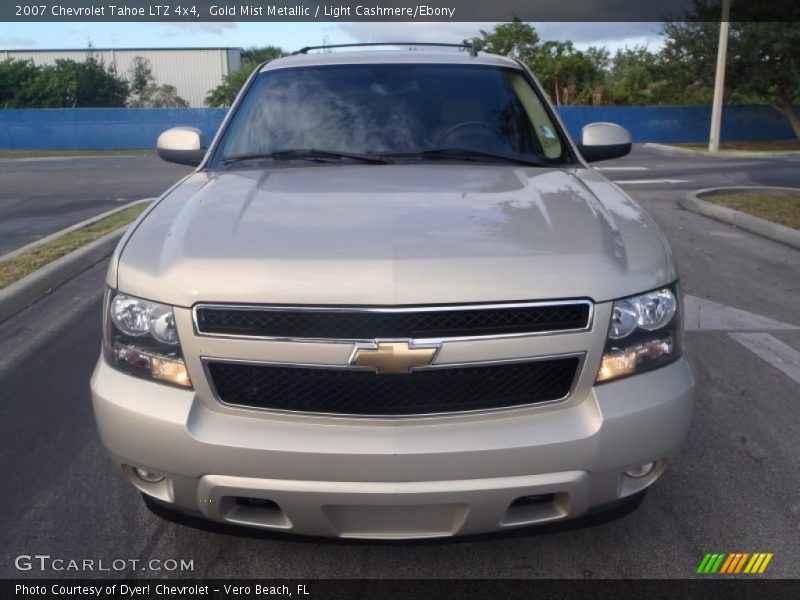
(112, 128)
(98, 128)
(682, 123)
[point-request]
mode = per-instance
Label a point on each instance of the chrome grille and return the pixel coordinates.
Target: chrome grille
(348, 391)
(356, 323)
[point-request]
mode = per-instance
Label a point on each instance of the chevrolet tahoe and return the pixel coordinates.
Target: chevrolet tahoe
(393, 300)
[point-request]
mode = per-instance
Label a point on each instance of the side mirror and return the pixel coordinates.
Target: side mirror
(182, 145)
(604, 141)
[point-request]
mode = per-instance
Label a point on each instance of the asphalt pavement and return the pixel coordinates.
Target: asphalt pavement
(735, 487)
(40, 196)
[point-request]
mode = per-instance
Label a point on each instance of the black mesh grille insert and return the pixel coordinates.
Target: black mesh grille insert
(353, 325)
(344, 391)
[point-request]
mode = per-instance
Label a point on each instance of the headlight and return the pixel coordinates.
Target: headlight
(141, 339)
(645, 333)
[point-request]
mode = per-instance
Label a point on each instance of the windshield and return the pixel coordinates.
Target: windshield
(403, 111)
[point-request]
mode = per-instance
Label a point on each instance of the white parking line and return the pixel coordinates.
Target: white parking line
(650, 181)
(700, 314)
(781, 356)
(621, 168)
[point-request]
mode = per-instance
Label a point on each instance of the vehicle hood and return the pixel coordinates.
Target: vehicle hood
(392, 235)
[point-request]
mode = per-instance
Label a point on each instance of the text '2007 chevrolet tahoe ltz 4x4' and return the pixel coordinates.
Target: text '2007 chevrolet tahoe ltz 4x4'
(392, 301)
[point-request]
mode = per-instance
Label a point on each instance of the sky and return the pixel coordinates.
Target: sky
(291, 36)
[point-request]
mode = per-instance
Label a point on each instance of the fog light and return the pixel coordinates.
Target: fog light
(148, 476)
(641, 470)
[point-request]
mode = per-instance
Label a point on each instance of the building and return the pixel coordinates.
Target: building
(193, 71)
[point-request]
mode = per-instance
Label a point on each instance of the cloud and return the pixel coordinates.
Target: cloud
(597, 33)
(16, 42)
(579, 32)
(412, 32)
(213, 28)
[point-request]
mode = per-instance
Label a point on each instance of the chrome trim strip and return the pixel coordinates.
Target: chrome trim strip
(395, 310)
(581, 356)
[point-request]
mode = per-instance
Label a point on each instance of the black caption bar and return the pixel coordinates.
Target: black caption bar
(391, 589)
(391, 10)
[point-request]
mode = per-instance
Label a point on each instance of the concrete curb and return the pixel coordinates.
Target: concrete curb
(723, 153)
(71, 228)
(762, 227)
(29, 289)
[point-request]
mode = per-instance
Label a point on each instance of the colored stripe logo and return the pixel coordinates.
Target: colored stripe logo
(734, 563)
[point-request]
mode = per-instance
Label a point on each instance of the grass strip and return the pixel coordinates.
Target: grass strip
(26, 263)
(779, 207)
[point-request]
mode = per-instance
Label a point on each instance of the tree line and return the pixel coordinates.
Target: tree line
(763, 68)
(80, 84)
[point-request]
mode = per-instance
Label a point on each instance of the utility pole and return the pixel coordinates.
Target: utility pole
(719, 79)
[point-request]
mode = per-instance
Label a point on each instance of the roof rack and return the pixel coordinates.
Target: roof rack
(473, 51)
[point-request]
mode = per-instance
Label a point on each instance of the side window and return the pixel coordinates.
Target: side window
(545, 130)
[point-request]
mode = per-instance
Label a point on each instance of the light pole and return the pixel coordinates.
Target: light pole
(719, 79)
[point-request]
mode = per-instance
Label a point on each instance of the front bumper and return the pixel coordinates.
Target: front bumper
(395, 478)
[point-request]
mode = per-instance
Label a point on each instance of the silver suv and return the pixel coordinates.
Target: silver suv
(392, 301)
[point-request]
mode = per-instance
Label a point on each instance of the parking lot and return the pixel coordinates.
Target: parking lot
(735, 488)
(41, 196)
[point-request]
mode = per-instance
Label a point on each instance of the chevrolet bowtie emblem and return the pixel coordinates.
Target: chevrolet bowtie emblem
(393, 357)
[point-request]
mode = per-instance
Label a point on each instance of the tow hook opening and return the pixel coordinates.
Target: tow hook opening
(261, 503)
(254, 511)
(536, 508)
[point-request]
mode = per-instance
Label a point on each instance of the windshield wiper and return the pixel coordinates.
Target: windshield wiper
(463, 153)
(306, 154)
